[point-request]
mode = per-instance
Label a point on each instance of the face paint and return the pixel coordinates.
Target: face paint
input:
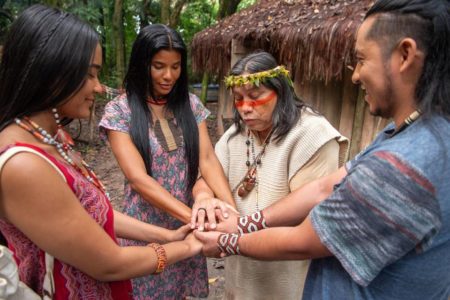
(256, 102)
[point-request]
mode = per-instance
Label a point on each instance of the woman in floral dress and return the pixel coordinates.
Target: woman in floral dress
(158, 134)
(54, 212)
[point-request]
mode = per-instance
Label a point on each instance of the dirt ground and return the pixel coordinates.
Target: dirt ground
(99, 156)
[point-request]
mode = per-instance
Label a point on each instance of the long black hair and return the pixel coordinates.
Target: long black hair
(288, 108)
(428, 23)
(45, 60)
(138, 84)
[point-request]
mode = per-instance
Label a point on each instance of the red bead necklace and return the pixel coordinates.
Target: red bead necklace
(64, 149)
(158, 101)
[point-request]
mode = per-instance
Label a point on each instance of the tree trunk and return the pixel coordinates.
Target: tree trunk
(176, 11)
(145, 13)
(204, 93)
(227, 8)
(165, 12)
(119, 41)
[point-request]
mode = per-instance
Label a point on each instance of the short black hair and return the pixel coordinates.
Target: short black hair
(428, 23)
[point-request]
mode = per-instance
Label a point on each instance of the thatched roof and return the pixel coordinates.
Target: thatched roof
(313, 38)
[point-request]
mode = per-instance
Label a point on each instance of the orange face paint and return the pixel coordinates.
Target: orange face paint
(257, 102)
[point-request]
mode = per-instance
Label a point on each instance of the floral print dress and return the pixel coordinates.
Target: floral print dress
(169, 168)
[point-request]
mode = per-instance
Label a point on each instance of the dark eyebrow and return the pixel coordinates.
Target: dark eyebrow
(253, 89)
(98, 67)
(163, 63)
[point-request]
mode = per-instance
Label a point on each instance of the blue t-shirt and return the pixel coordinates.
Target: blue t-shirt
(388, 222)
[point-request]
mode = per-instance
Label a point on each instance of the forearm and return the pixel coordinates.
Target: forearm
(295, 207)
(157, 196)
(134, 262)
(201, 190)
(133, 167)
(215, 178)
(283, 243)
(130, 228)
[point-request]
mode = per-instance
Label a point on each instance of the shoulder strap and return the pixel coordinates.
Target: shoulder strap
(5, 156)
(49, 283)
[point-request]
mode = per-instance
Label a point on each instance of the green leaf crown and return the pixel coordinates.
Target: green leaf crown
(257, 78)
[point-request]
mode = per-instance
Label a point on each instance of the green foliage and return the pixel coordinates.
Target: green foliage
(8, 12)
(257, 78)
(195, 16)
(198, 15)
(90, 12)
(245, 3)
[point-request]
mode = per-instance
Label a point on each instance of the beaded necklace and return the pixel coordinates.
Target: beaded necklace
(63, 147)
(158, 101)
(246, 185)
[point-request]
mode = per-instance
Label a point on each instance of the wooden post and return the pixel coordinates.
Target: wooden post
(358, 120)
(349, 99)
(220, 106)
(204, 92)
(225, 103)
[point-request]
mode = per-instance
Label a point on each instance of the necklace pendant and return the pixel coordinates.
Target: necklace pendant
(242, 192)
(64, 137)
(249, 184)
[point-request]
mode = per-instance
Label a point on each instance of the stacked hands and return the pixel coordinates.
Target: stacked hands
(217, 227)
(211, 220)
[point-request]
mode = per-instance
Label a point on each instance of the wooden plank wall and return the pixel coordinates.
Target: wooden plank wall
(341, 102)
(225, 102)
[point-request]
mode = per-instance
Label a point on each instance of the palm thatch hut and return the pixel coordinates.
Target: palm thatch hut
(314, 39)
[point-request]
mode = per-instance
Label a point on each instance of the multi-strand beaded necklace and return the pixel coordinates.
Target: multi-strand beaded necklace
(250, 180)
(64, 145)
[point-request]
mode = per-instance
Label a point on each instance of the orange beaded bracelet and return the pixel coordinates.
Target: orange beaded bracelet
(162, 257)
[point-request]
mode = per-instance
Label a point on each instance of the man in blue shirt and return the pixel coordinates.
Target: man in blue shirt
(378, 228)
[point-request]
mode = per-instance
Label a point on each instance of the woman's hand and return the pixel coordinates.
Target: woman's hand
(195, 246)
(207, 210)
(208, 242)
(179, 234)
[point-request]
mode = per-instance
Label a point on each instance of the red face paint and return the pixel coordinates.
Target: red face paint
(256, 102)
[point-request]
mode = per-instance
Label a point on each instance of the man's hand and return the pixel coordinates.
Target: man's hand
(228, 225)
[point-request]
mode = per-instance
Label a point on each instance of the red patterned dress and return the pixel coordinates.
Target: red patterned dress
(70, 283)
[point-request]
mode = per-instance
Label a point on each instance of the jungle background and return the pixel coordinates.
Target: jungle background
(118, 23)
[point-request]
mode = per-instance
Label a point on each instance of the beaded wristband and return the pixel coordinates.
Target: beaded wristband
(162, 257)
(251, 223)
(229, 243)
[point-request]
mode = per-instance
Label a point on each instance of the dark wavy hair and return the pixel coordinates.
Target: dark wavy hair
(428, 23)
(288, 108)
(46, 58)
(138, 84)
